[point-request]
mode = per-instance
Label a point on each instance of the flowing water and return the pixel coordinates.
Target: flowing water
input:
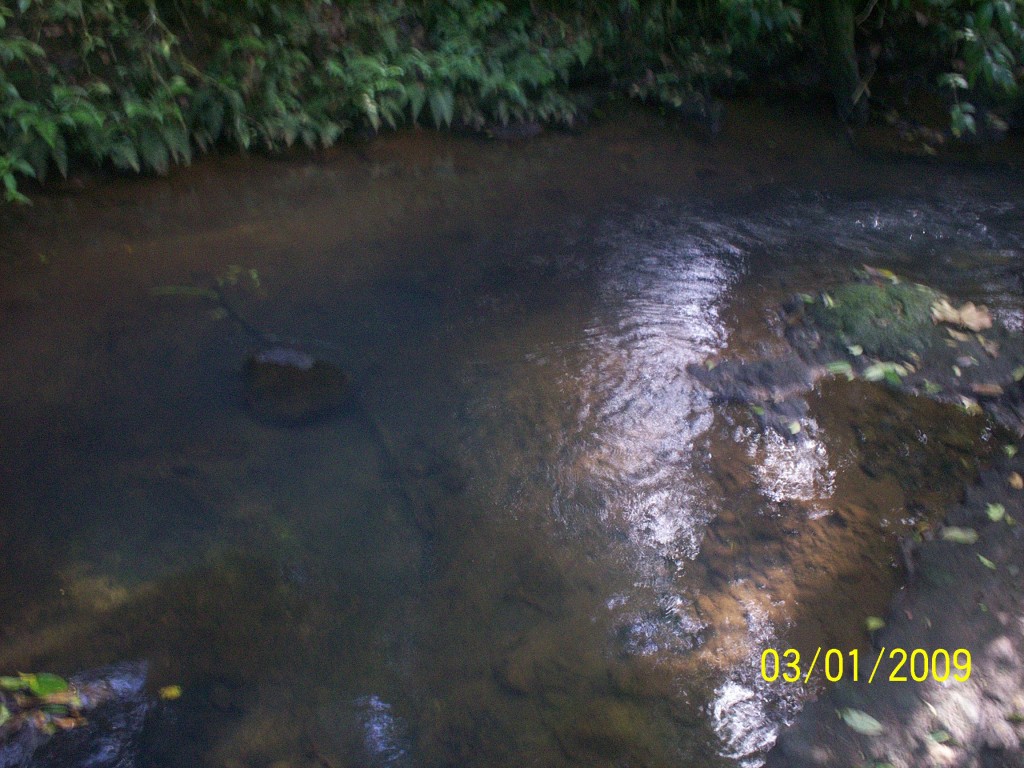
(536, 541)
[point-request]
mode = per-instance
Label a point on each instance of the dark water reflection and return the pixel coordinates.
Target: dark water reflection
(539, 544)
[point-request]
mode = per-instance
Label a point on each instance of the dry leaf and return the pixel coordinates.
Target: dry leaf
(1016, 481)
(944, 312)
(986, 390)
(958, 335)
(975, 318)
(969, 316)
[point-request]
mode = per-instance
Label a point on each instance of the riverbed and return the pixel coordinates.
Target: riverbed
(536, 540)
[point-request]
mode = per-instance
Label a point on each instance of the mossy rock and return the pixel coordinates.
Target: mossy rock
(889, 321)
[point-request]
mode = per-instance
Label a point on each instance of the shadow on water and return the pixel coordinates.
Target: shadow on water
(597, 553)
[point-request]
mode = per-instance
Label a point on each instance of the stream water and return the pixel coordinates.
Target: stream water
(545, 546)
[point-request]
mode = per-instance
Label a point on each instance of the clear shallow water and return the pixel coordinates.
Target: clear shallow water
(539, 543)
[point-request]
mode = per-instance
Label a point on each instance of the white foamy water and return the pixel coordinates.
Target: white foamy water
(794, 470)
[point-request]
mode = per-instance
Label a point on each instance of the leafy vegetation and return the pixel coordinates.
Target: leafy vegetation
(140, 84)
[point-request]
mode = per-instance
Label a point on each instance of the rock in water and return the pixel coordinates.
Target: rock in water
(115, 708)
(289, 387)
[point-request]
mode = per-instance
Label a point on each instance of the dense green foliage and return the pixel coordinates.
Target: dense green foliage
(141, 84)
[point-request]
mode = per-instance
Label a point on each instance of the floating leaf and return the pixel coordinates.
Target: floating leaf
(806, 298)
(874, 372)
(986, 562)
(931, 388)
(840, 368)
(1010, 450)
(13, 684)
(959, 535)
(940, 736)
(958, 335)
(886, 274)
(957, 372)
(44, 683)
(170, 692)
(986, 389)
(969, 316)
(975, 318)
(757, 409)
(1018, 373)
(793, 427)
(971, 406)
(1016, 481)
(861, 722)
(874, 622)
(5, 714)
(827, 300)
(995, 512)
(855, 349)
(891, 372)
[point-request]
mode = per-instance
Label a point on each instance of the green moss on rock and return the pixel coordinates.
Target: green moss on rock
(889, 321)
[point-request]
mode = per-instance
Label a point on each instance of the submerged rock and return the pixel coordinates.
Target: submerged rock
(289, 387)
(774, 388)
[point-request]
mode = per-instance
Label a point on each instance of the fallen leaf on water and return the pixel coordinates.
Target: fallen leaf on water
(986, 390)
(971, 406)
(969, 316)
(1016, 481)
(977, 318)
(45, 683)
(995, 512)
(940, 736)
(1010, 450)
(17, 684)
(840, 368)
(986, 562)
(959, 535)
(885, 274)
(958, 335)
(794, 427)
(861, 722)
(944, 312)
(873, 623)
(170, 692)
(856, 350)
(1018, 373)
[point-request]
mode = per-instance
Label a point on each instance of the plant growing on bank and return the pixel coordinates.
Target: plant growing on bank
(140, 84)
